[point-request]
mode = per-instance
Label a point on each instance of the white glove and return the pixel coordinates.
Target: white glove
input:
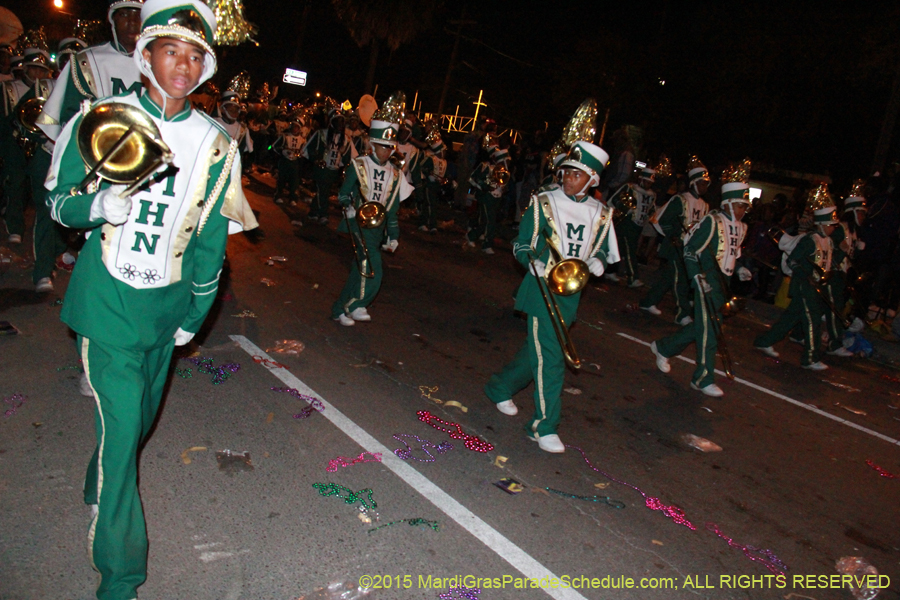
(182, 337)
(595, 266)
(496, 192)
(744, 274)
(860, 245)
(700, 280)
(539, 268)
(350, 212)
(390, 246)
(110, 207)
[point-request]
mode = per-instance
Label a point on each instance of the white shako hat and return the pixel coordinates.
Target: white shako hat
(190, 21)
(736, 183)
(822, 206)
(648, 174)
(697, 171)
(386, 120)
(857, 199)
(587, 157)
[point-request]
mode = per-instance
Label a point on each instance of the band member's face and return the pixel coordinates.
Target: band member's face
(127, 22)
(574, 181)
(702, 186)
(860, 216)
(35, 72)
(382, 152)
(826, 230)
(646, 183)
(231, 110)
(739, 209)
(177, 65)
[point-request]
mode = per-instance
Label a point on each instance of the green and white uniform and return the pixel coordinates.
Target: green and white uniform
(577, 229)
(806, 307)
(132, 288)
(329, 156)
(844, 242)
(14, 162)
(433, 170)
(488, 195)
(629, 228)
(368, 181)
(712, 248)
(673, 220)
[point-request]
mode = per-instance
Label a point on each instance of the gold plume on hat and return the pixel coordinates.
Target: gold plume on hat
(695, 163)
(393, 110)
(34, 38)
(231, 27)
(91, 32)
(240, 84)
(859, 188)
(739, 173)
(432, 131)
(664, 168)
(263, 93)
(819, 198)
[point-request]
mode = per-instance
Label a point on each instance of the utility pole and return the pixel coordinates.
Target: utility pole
(462, 21)
(301, 31)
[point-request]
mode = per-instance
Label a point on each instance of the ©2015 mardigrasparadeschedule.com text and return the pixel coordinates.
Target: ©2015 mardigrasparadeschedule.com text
(614, 582)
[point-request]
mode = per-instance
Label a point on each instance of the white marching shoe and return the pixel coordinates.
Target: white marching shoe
(360, 314)
(345, 320)
(550, 443)
(662, 363)
(507, 407)
(652, 310)
(816, 366)
(768, 351)
(710, 390)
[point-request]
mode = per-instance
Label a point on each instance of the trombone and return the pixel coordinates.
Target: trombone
(369, 216)
(820, 285)
(122, 144)
(729, 308)
(565, 278)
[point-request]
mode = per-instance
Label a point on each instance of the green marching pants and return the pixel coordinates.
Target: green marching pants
(324, 178)
(805, 309)
(288, 178)
(428, 217)
(672, 277)
(539, 360)
(128, 386)
(629, 234)
(486, 222)
(15, 167)
(702, 332)
(835, 288)
(48, 242)
(360, 291)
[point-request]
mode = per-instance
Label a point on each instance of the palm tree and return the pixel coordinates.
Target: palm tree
(393, 22)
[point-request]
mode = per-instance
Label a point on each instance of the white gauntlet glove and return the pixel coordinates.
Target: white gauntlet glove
(496, 192)
(110, 207)
(350, 212)
(390, 246)
(539, 268)
(182, 337)
(595, 266)
(700, 283)
(744, 274)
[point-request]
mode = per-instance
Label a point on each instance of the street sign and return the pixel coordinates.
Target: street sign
(294, 77)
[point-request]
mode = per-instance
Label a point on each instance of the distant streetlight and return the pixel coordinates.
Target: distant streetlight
(58, 3)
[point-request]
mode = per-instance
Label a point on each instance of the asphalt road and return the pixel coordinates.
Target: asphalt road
(791, 476)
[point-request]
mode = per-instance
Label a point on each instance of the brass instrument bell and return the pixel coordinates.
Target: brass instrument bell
(568, 276)
(371, 215)
(121, 144)
(27, 114)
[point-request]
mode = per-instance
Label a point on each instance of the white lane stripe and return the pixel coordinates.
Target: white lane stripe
(489, 536)
(775, 394)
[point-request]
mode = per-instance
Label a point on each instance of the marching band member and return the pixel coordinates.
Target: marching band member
(434, 168)
(371, 178)
(579, 227)
(329, 150)
(289, 146)
(846, 242)
(229, 110)
(489, 190)
(673, 221)
(809, 261)
(712, 248)
(629, 228)
(148, 274)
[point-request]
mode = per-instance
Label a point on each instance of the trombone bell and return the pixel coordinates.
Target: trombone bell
(568, 277)
(28, 112)
(142, 152)
(371, 215)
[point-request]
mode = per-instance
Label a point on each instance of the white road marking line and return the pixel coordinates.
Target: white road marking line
(490, 537)
(788, 399)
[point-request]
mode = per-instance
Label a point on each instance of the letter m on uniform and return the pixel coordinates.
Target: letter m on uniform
(118, 87)
(572, 231)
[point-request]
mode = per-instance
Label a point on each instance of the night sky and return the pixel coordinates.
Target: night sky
(799, 85)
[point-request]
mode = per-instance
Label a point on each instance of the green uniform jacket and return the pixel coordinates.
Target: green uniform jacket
(350, 194)
(101, 307)
(534, 225)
